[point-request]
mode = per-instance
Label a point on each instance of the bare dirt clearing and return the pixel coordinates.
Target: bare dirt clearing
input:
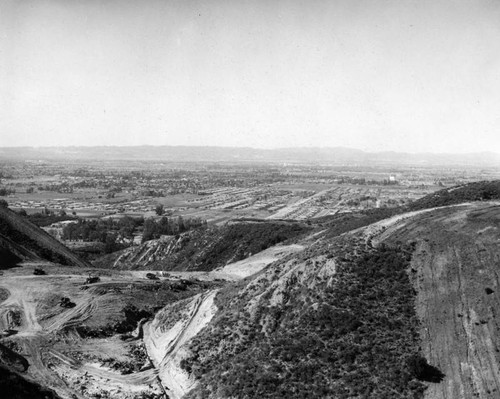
(98, 359)
(257, 262)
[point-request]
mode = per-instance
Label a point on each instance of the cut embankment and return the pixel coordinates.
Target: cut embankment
(456, 274)
(335, 320)
(256, 263)
(206, 249)
(62, 359)
(165, 345)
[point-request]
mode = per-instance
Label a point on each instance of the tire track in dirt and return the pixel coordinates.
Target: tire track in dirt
(48, 365)
(33, 350)
(20, 301)
(139, 378)
(74, 316)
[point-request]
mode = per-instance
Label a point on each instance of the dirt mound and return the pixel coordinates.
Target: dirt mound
(92, 348)
(375, 311)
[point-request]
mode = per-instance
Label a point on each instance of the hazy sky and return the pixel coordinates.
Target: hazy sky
(375, 75)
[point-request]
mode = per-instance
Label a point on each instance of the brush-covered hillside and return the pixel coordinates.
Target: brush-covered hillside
(22, 240)
(401, 308)
(398, 303)
(336, 321)
(206, 248)
(477, 191)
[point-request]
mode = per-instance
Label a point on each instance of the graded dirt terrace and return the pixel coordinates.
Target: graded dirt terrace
(97, 360)
(126, 336)
(455, 270)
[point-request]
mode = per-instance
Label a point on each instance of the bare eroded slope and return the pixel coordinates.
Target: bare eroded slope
(455, 270)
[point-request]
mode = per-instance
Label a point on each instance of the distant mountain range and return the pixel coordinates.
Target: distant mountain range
(334, 155)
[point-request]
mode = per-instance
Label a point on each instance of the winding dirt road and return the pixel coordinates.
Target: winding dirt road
(21, 311)
(165, 347)
(456, 271)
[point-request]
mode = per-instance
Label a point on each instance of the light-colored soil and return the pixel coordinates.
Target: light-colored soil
(257, 262)
(44, 335)
(455, 270)
(78, 367)
(167, 347)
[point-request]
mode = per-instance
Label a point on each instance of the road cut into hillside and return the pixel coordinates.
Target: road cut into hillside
(255, 263)
(455, 269)
(31, 310)
(166, 346)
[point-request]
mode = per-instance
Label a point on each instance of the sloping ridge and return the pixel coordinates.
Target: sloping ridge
(318, 323)
(405, 307)
(455, 271)
(13, 252)
(165, 346)
(205, 249)
(42, 239)
(486, 190)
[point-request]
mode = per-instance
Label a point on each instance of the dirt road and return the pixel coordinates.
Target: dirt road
(37, 331)
(165, 347)
(259, 261)
(456, 270)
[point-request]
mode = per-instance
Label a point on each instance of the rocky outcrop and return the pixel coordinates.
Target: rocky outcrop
(148, 253)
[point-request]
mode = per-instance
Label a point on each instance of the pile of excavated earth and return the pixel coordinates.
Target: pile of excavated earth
(402, 307)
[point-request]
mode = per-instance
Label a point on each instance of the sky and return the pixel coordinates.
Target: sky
(413, 76)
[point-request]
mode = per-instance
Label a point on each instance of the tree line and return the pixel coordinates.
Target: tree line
(169, 226)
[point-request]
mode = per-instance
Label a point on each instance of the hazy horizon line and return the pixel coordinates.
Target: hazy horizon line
(252, 148)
